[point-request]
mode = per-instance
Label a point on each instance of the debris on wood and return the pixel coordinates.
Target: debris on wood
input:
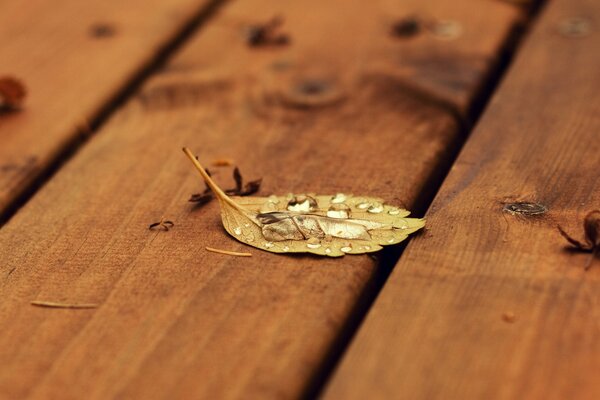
(12, 93)
(162, 224)
(102, 30)
(406, 27)
(227, 252)
(239, 190)
(509, 317)
(267, 34)
(223, 162)
(325, 225)
(591, 228)
(53, 304)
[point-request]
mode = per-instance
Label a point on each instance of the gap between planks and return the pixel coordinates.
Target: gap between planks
(391, 256)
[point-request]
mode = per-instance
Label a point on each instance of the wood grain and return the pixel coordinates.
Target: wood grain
(177, 321)
(487, 304)
(74, 57)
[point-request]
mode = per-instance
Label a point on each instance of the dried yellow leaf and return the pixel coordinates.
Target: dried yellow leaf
(327, 225)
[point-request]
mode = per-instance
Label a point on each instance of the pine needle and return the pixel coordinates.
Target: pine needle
(230, 253)
(53, 304)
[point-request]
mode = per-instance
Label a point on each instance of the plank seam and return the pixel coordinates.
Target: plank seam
(391, 256)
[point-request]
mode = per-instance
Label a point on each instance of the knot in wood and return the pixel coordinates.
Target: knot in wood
(525, 208)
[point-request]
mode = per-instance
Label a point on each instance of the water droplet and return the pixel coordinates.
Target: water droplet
(268, 207)
(286, 248)
(328, 250)
(367, 247)
(375, 208)
(363, 206)
(394, 211)
(268, 245)
(237, 230)
(338, 211)
(346, 249)
(313, 243)
(447, 30)
(302, 203)
(391, 240)
(338, 198)
(274, 199)
(247, 225)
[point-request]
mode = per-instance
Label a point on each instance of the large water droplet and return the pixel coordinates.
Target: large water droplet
(338, 198)
(302, 203)
(313, 243)
(237, 230)
(338, 211)
(375, 208)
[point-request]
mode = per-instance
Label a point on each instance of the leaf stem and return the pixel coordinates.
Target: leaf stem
(211, 184)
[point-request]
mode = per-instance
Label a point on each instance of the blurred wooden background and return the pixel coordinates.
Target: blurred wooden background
(458, 111)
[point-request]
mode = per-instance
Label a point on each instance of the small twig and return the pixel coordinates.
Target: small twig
(52, 304)
(591, 228)
(230, 253)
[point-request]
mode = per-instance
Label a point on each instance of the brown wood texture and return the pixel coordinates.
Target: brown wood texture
(74, 57)
(487, 304)
(174, 320)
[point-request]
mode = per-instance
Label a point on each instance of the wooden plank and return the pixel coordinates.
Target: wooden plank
(176, 321)
(74, 57)
(487, 304)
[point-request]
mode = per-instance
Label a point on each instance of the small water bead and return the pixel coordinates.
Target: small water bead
(391, 240)
(363, 206)
(394, 211)
(346, 249)
(268, 245)
(367, 247)
(237, 230)
(313, 243)
(268, 207)
(338, 198)
(247, 225)
(328, 250)
(338, 211)
(285, 248)
(375, 208)
(274, 199)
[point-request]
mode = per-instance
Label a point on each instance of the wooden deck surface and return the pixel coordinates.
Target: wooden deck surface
(344, 106)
